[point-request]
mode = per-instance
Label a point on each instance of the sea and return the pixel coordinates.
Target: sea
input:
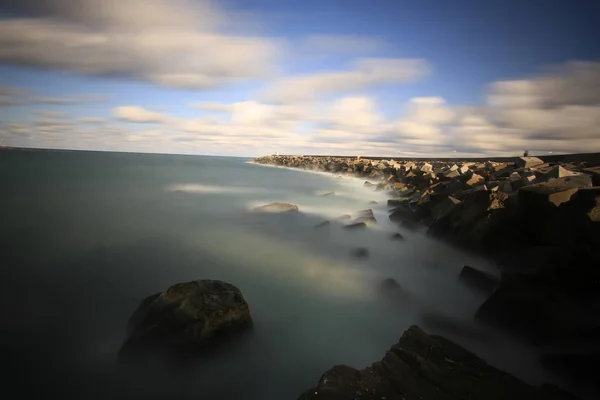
(85, 236)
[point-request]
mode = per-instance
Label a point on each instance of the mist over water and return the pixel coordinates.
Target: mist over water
(86, 236)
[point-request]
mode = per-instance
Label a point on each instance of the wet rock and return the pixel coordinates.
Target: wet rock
(360, 252)
(403, 213)
(392, 292)
(327, 194)
(369, 220)
(369, 185)
(478, 280)
(365, 213)
(358, 225)
(422, 366)
(276, 208)
(345, 217)
(322, 225)
(372, 202)
(186, 318)
(397, 236)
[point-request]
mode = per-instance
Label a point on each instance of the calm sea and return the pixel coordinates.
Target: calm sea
(85, 236)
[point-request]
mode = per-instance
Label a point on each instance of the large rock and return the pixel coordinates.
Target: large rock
(528, 162)
(186, 318)
(545, 195)
(422, 366)
(276, 208)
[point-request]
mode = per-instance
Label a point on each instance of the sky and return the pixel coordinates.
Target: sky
(411, 78)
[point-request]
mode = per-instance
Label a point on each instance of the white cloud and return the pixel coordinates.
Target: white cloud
(138, 115)
(339, 44)
(75, 99)
(365, 73)
(140, 39)
(572, 84)
(92, 120)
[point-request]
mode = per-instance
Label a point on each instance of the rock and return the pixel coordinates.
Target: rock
(360, 252)
(392, 292)
(479, 280)
(322, 224)
(328, 194)
(277, 208)
(452, 174)
(186, 318)
(578, 366)
(475, 180)
(369, 185)
(395, 202)
(345, 217)
(473, 223)
(372, 202)
(422, 366)
(550, 307)
(545, 194)
(365, 213)
(397, 236)
(369, 220)
(443, 207)
(403, 213)
(426, 167)
(594, 172)
(528, 162)
(358, 225)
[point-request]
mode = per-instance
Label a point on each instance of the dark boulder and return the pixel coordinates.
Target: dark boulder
(186, 319)
(391, 291)
(577, 366)
(422, 366)
(397, 236)
(478, 280)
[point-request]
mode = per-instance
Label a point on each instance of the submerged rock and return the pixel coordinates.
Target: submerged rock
(479, 280)
(186, 318)
(358, 225)
(345, 217)
(397, 236)
(276, 208)
(422, 366)
(392, 292)
(360, 252)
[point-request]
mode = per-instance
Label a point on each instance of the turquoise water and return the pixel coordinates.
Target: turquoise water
(85, 236)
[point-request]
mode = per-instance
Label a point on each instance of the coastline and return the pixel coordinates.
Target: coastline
(537, 220)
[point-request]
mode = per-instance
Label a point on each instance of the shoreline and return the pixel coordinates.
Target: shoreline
(537, 220)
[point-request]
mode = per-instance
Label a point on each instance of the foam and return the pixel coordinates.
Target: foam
(198, 188)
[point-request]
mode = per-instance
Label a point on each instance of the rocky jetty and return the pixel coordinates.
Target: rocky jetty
(422, 366)
(186, 318)
(537, 218)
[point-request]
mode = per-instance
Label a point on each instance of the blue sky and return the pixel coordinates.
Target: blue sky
(432, 83)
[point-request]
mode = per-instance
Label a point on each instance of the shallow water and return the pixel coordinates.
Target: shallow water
(85, 236)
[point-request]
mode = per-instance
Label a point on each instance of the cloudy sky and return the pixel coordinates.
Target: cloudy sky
(253, 77)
